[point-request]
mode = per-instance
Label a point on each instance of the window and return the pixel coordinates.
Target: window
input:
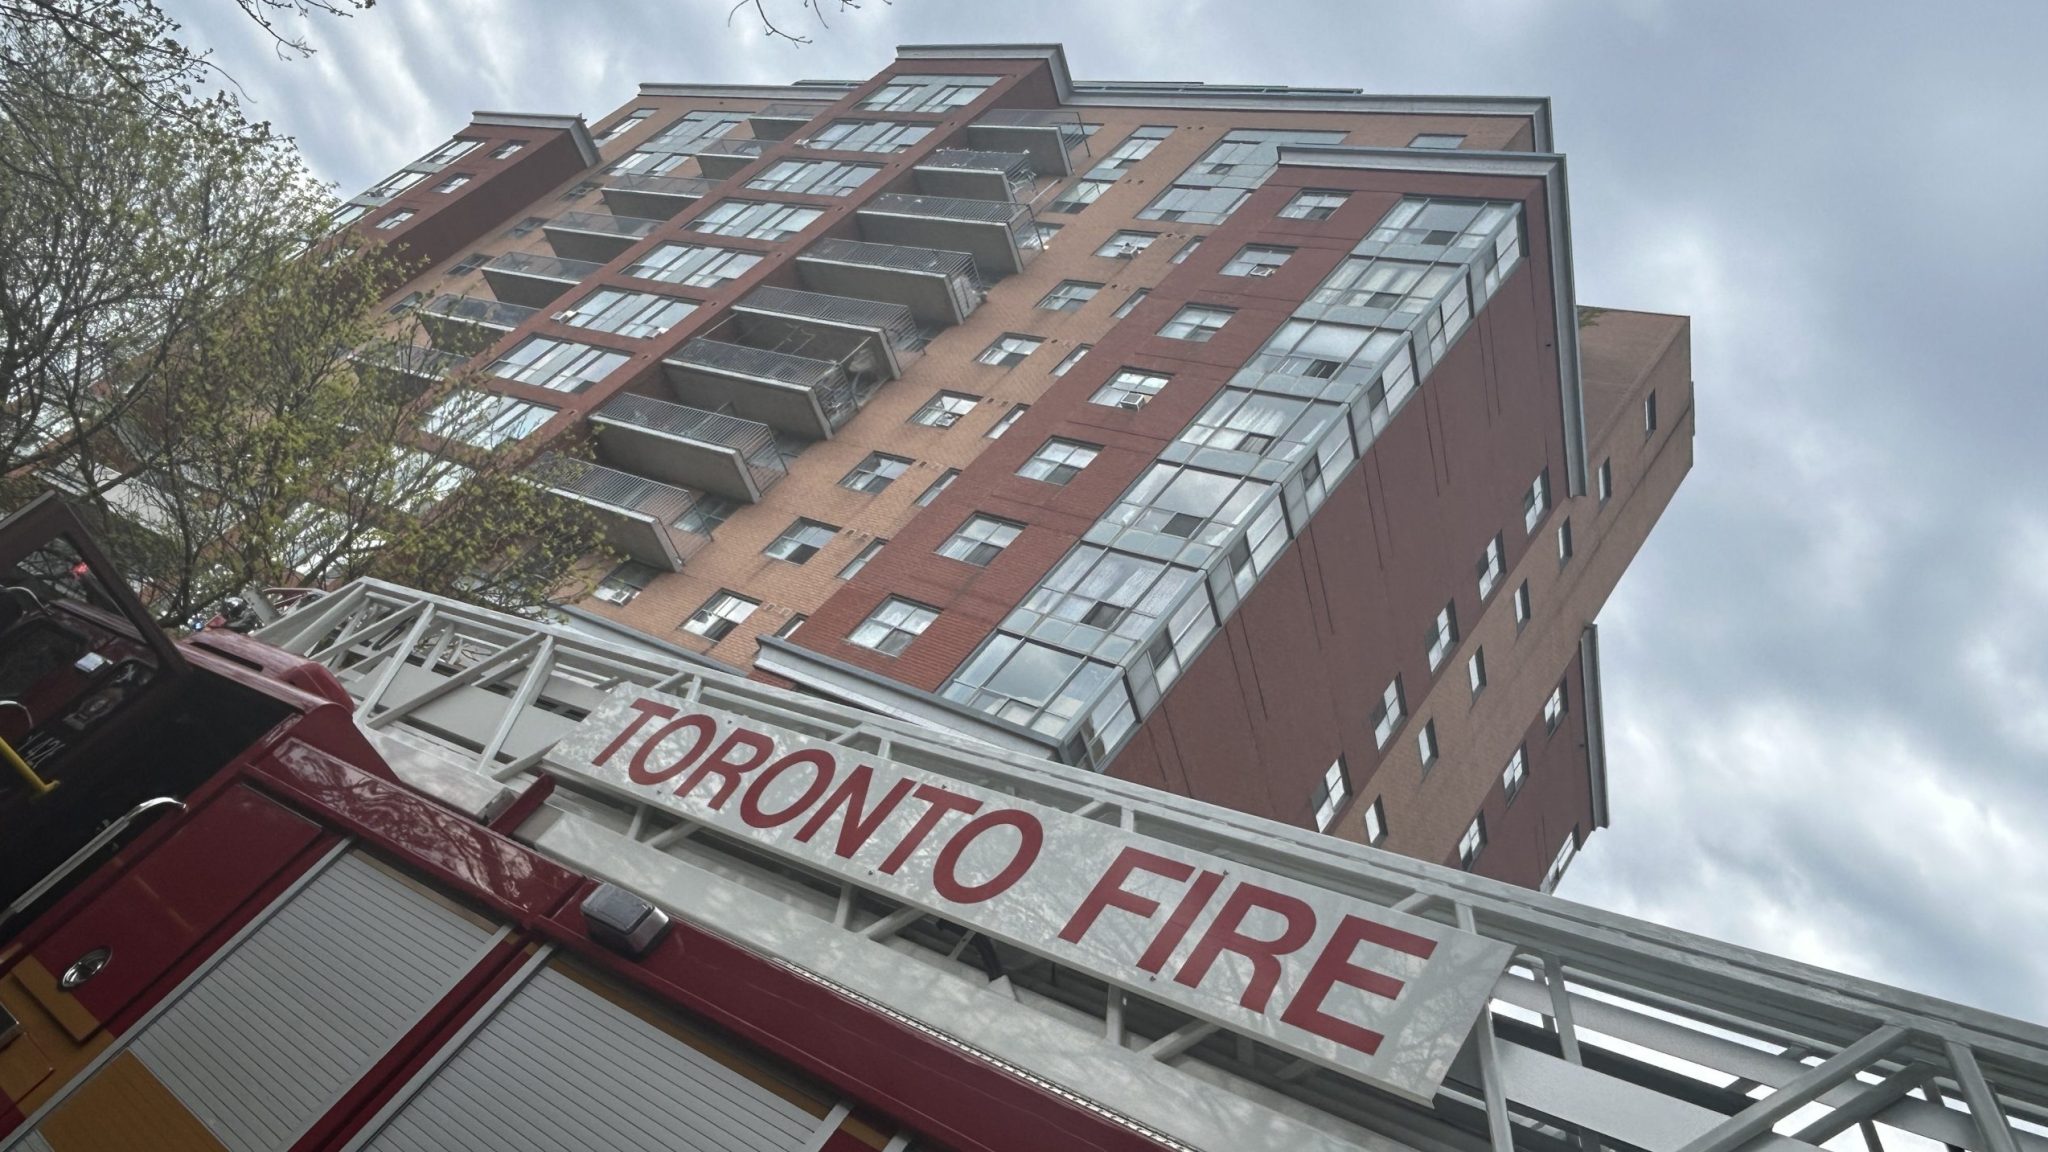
(1195, 205)
(1257, 260)
(637, 315)
(891, 627)
(1459, 223)
(1001, 426)
(1129, 388)
(1379, 282)
(450, 152)
(1536, 501)
(557, 365)
(756, 219)
(788, 629)
(1313, 204)
(396, 184)
(1127, 243)
(1522, 604)
(1010, 349)
(1059, 461)
(395, 219)
(1388, 715)
(1131, 303)
(1649, 413)
(888, 96)
(625, 582)
(1564, 542)
(1375, 823)
(621, 127)
(1197, 322)
(931, 493)
(1606, 480)
(944, 409)
(980, 540)
(1443, 635)
(1042, 236)
(1563, 860)
(1187, 250)
(1426, 746)
(485, 419)
(1492, 565)
(721, 614)
(1475, 671)
(800, 541)
(860, 560)
(1079, 196)
(1472, 843)
(1554, 708)
(1069, 296)
(1067, 363)
(1437, 140)
(1330, 794)
(875, 472)
(507, 150)
(1136, 148)
(526, 227)
(647, 162)
(406, 303)
(694, 264)
(926, 93)
(348, 214)
(580, 189)
(813, 177)
(1048, 690)
(707, 514)
(867, 136)
(468, 264)
(452, 183)
(1511, 777)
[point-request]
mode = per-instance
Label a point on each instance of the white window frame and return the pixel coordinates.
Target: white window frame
(803, 539)
(1130, 389)
(1331, 794)
(1055, 459)
(1197, 323)
(893, 626)
(1314, 204)
(980, 539)
(944, 409)
(723, 612)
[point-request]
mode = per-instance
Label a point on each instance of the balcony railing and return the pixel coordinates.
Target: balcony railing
(955, 224)
(721, 158)
(596, 235)
(977, 174)
(534, 279)
(478, 310)
(1015, 217)
(776, 121)
(751, 442)
(1047, 134)
(1015, 166)
(827, 381)
(649, 507)
(416, 360)
(894, 257)
(1068, 122)
(892, 321)
(638, 192)
(939, 287)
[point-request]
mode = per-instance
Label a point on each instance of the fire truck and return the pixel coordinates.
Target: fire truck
(397, 872)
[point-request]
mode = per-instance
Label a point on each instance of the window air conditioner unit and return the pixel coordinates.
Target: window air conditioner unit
(613, 595)
(1262, 270)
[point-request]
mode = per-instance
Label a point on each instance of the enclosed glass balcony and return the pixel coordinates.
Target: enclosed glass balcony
(689, 447)
(940, 288)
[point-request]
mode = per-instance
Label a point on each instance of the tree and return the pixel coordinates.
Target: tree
(179, 345)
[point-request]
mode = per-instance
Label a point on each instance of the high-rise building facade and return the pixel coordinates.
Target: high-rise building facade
(1248, 442)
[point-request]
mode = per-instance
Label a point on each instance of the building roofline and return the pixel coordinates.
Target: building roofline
(1054, 55)
(800, 90)
(1114, 94)
(1596, 724)
(1546, 166)
(578, 131)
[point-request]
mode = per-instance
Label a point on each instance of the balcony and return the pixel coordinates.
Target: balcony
(635, 194)
(940, 288)
(721, 159)
(534, 280)
(688, 447)
(640, 514)
(596, 236)
(797, 394)
(976, 175)
(997, 234)
(413, 366)
(469, 323)
(872, 339)
(777, 121)
(1049, 135)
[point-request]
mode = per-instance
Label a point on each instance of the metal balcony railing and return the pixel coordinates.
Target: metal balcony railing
(828, 380)
(1069, 123)
(894, 257)
(543, 266)
(664, 504)
(745, 149)
(416, 360)
(477, 310)
(789, 110)
(751, 440)
(682, 187)
(893, 321)
(1015, 217)
(1015, 166)
(606, 224)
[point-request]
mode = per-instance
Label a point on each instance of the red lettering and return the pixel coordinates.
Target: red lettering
(1031, 837)
(941, 803)
(858, 826)
(1109, 892)
(756, 749)
(1334, 967)
(648, 710)
(822, 769)
(1183, 918)
(705, 727)
(1223, 936)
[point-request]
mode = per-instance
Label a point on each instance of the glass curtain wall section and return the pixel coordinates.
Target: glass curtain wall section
(1093, 648)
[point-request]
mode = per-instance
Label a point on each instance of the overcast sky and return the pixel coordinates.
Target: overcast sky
(1827, 699)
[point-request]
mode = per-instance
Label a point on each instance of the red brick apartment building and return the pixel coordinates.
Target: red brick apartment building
(1245, 441)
